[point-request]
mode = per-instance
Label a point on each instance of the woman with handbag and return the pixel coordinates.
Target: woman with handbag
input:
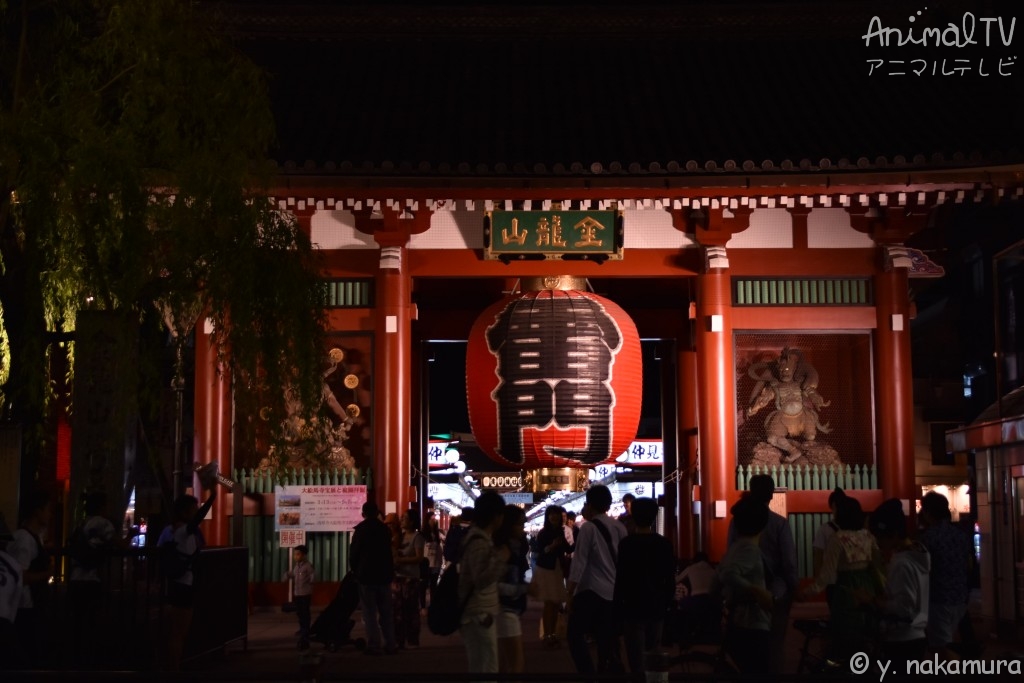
(432, 559)
(406, 587)
(512, 590)
(548, 583)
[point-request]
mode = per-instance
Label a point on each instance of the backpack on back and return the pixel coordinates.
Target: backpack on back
(453, 543)
(444, 614)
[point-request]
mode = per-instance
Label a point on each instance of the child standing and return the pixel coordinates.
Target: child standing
(302, 573)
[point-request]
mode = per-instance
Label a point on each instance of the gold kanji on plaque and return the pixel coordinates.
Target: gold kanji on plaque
(550, 233)
(588, 228)
(514, 236)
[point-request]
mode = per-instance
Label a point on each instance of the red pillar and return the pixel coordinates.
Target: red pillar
(212, 431)
(716, 407)
(686, 447)
(392, 387)
(894, 386)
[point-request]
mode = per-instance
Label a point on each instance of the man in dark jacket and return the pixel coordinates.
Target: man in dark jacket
(371, 561)
(780, 565)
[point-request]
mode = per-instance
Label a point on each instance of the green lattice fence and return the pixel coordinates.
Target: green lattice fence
(808, 477)
(804, 525)
(328, 552)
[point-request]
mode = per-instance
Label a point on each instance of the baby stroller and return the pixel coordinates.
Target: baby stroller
(333, 627)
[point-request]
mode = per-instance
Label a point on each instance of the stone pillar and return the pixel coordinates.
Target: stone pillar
(894, 397)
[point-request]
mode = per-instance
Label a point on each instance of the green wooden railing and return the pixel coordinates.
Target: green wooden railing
(328, 552)
(804, 525)
(808, 477)
(764, 291)
(349, 293)
(264, 481)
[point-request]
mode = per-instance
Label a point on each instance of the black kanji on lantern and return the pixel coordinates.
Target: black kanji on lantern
(555, 356)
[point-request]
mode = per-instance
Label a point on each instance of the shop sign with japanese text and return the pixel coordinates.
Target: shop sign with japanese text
(290, 538)
(643, 453)
(500, 481)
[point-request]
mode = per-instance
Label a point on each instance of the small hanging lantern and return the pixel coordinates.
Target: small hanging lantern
(554, 378)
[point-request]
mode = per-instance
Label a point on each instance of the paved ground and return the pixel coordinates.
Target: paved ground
(272, 654)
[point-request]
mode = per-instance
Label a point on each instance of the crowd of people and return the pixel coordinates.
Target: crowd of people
(611, 587)
(28, 565)
(888, 593)
(608, 586)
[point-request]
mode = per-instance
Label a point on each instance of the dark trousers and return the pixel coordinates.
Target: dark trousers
(780, 625)
(751, 650)
(378, 615)
(640, 636)
(28, 633)
(594, 615)
(8, 646)
(86, 602)
(302, 611)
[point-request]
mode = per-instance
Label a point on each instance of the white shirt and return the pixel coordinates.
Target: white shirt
(10, 587)
(593, 567)
(822, 535)
(24, 550)
(701, 575)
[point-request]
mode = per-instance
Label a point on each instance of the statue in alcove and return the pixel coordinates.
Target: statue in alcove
(790, 383)
(321, 440)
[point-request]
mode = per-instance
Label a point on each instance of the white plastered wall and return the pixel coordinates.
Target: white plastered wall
(831, 229)
(769, 229)
(645, 229)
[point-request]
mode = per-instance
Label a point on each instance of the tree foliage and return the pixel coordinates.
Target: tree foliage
(133, 147)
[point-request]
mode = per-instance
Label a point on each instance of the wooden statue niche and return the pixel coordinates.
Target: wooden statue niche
(789, 382)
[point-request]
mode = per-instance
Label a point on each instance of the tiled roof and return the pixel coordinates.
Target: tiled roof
(667, 90)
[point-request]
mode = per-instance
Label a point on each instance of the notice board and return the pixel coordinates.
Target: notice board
(319, 508)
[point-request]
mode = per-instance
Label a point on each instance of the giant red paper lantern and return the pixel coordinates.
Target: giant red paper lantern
(554, 379)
